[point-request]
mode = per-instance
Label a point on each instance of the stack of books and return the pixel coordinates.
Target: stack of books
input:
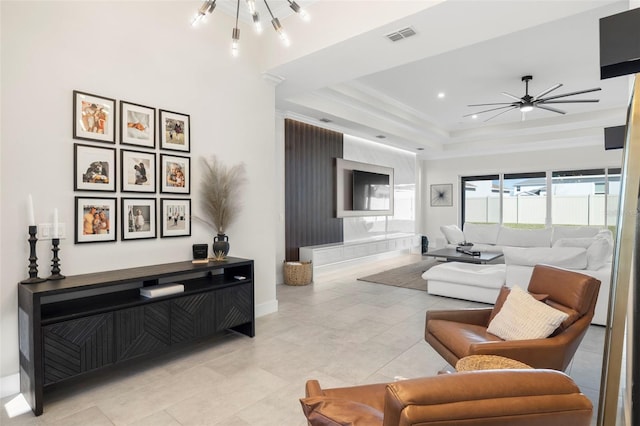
(161, 290)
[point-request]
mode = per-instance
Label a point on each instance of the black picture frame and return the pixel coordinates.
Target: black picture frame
(94, 117)
(175, 217)
(139, 218)
(175, 174)
(137, 125)
(174, 130)
(86, 230)
(94, 168)
(137, 171)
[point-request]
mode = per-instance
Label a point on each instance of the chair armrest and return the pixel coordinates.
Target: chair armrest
(312, 388)
(479, 316)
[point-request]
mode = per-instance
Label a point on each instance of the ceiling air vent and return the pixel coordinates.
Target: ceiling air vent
(401, 34)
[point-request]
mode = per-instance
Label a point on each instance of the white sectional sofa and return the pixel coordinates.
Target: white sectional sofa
(587, 250)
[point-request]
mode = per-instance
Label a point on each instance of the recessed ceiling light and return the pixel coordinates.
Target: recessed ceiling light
(420, 149)
(474, 116)
(441, 95)
(381, 137)
(325, 120)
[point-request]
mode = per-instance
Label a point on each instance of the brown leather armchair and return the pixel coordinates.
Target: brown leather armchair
(488, 397)
(455, 334)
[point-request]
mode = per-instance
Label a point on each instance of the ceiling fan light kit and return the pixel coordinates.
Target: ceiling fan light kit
(527, 102)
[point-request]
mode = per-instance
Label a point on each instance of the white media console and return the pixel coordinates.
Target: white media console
(327, 254)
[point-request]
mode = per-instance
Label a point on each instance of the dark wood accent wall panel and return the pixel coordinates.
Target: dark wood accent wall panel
(310, 185)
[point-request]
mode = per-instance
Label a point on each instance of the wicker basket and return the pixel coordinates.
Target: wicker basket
(297, 273)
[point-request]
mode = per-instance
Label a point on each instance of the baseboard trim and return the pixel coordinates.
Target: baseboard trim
(267, 308)
(9, 385)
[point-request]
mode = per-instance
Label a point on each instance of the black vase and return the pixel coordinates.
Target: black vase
(221, 244)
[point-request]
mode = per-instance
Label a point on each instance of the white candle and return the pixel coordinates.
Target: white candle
(55, 223)
(32, 219)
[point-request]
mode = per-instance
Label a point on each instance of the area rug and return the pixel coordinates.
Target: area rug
(408, 276)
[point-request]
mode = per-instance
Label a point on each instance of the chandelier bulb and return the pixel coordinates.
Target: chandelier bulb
(235, 42)
(257, 25)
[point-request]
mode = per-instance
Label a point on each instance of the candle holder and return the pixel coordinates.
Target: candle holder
(55, 262)
(33, 266)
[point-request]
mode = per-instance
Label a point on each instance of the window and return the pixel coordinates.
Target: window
(524, 203)
(521, 200)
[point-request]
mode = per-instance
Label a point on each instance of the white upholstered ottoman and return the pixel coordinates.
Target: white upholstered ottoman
(468, 281)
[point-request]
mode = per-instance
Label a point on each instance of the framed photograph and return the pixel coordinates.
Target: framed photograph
(93, 117)
(95, 219)
(138, 218)
(175, 219)
(137, 171)
(442, 195)
(94, 168)
(175, 174)
(137, 125)
(174, 131)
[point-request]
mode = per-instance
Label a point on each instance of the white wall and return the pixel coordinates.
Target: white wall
(450, 170)
(146, 53)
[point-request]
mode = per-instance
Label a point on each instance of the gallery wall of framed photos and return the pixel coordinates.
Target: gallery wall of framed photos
(140, 181)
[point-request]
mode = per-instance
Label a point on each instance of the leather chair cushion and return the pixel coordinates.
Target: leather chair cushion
(458, 337)
(327, 411)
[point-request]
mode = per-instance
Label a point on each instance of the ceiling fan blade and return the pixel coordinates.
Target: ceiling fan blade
(497, 103)
(577, 101)
(550, 89)
(571, 94)
(500, 113)
(550, 109)
(511, 96)
(488, 110)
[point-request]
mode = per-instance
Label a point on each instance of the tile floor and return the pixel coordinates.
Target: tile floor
(338, 330)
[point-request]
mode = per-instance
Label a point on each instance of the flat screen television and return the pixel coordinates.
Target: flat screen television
(370, 191)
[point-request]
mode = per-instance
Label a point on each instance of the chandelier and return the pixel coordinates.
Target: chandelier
(209, 5)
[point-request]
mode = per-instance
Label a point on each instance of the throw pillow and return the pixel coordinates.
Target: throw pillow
(481, 233)
(597, 254)
(502, 296)
(522, 317)
(452, 233)
(326, 411)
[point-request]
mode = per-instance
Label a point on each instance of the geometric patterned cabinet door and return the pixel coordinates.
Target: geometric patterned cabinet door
(142, 330)
(234, 306)
(192, 317)
(76, 346)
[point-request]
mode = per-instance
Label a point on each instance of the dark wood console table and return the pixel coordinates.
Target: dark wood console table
(88, 322)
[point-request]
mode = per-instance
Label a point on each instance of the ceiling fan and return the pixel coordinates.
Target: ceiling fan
(528, 103)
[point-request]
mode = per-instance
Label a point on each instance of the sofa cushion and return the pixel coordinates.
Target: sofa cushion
(598, 249)
(327, 411)
(490, 276)
(502, 296)
(513, 237)
(522, 317)
(452, 233)
(560, 231)
(563, 257)
(485, 233)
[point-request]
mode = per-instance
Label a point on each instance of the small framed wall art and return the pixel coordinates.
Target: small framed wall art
(95, 219)
(174, 131)
(138, 218)
(94, 168)
(93, 117)
(175, 174)
(442, 195)
(175, 217)
(137, 125)
(137, 171)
